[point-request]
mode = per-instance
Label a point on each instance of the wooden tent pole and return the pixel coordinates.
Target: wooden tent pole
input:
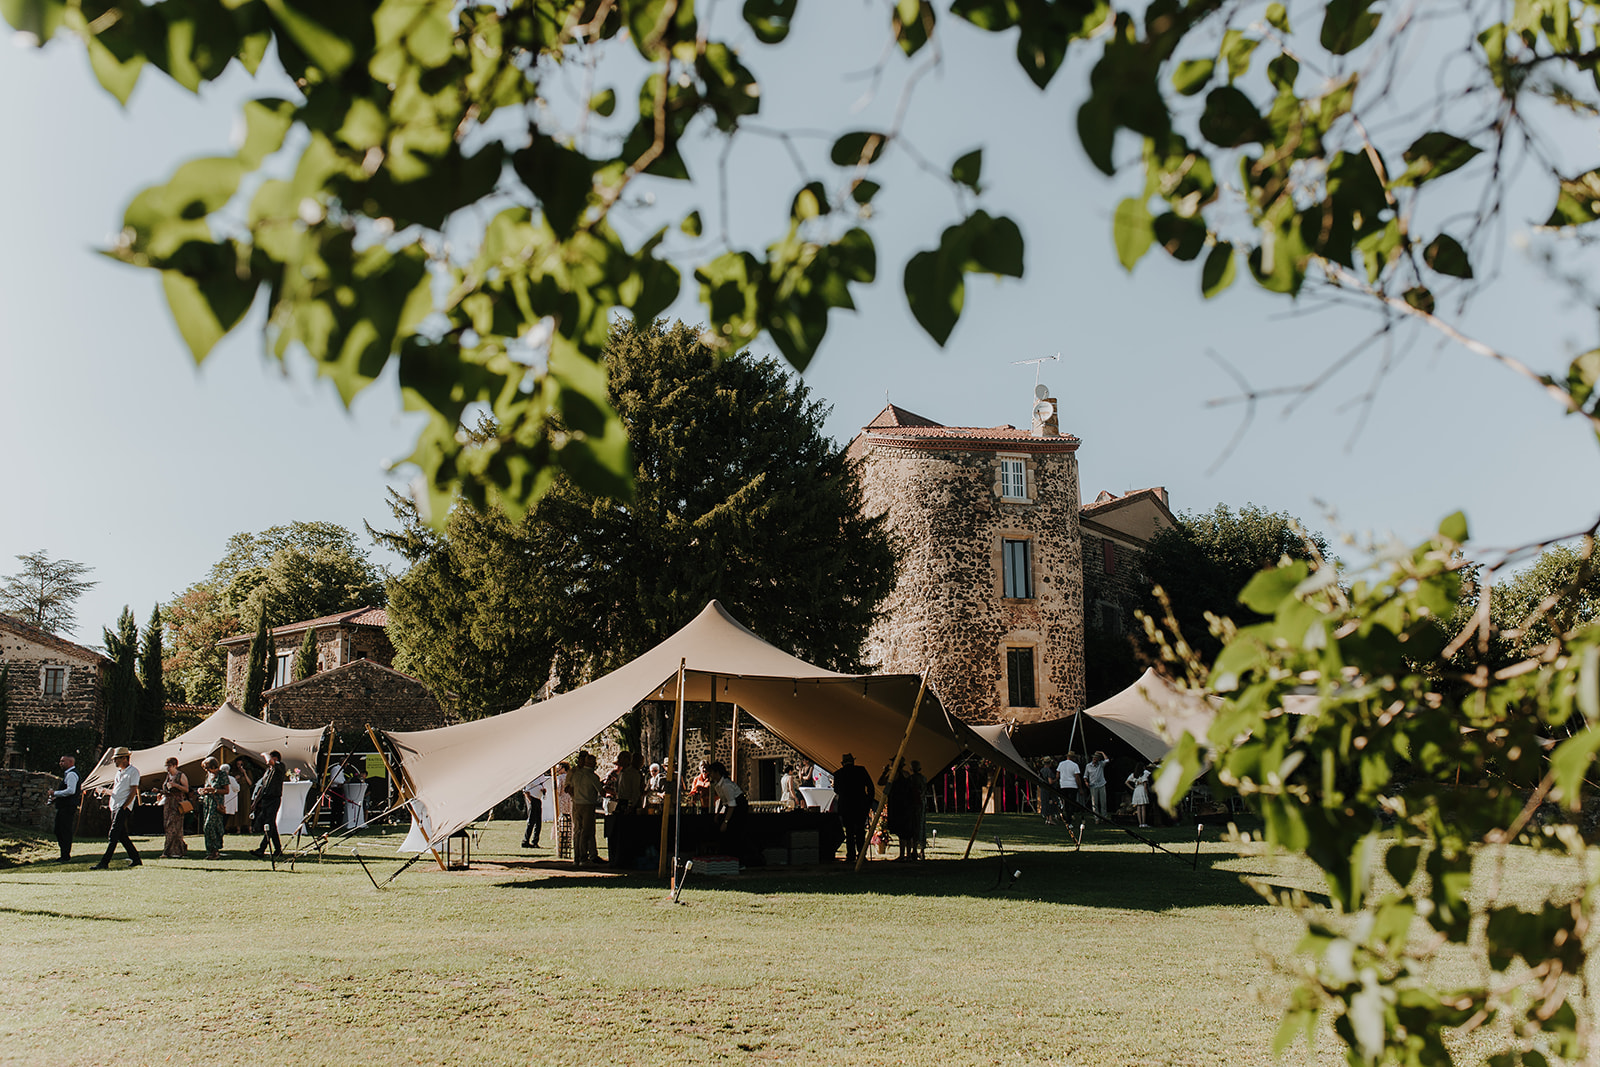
(733, 747)
(669, 802)
(405, 793)
(879, 810)
(987, 793)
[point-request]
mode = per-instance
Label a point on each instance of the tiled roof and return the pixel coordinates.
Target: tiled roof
(352, 666)
(359, 617)
(1110, 501)
(897, 416)
(44, 637)
(895, 427)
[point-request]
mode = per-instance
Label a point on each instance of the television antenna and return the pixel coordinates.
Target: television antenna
(1035, 364)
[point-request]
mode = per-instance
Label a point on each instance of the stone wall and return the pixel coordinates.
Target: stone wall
(1113, 583)
(948, 610)
(25, 799)
(336, 646)
(82, 702)
(353, 696)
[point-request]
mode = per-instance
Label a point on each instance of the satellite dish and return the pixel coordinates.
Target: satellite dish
(1041, 391)
(1043, 410)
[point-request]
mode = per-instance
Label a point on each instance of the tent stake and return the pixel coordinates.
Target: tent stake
(405, 794)
(894, 768)
(988, 791)
(669, 802)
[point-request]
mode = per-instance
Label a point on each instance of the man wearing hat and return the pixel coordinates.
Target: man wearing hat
(856, 794)
(124, 793)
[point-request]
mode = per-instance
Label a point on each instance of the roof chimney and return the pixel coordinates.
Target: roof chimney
(1046, 417)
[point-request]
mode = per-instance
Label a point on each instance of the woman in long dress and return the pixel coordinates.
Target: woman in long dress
(213, 798)
(1139, 782)
(174, 791)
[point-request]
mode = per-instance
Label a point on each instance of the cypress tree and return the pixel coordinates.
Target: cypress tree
(122, 705)
(305, 660)
(254, 674)
(153, 692)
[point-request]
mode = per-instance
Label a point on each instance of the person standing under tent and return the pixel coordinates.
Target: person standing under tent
(1070, 777)
(731, 808)
(240, 774)
(919, 812)
(533, 797)
(1139, 782)
(264, 804)
(174, 792)
(789, 789)
(583, 785)
(563, 799)
(658, 782)
(213, 796)
(66, 801)
(230, 800)
(855, 797)
(124, 794)
(1095, 773)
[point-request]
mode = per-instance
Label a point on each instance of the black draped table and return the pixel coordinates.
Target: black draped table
(803, 837)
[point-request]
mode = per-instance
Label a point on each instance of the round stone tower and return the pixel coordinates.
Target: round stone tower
(991, 591)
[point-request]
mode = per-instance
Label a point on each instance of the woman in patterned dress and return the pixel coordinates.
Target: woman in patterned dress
(174, 791)
(213, 797)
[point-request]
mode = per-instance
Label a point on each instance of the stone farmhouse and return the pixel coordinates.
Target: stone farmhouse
(1002, 565)
(55, 694)
(341, 639)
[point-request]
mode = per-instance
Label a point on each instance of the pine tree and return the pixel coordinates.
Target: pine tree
(153, 691)
(122, 705)
(254, 671)
(305, 660)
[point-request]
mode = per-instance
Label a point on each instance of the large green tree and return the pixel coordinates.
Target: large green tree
(45, 592)
(152, 718)
(740, 497)
(305, 569)
(1204, 562)
(258, 664)
(122, 692)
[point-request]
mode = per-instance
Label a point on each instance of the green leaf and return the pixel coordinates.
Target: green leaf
(691, 224)
(934, 281)
(1182, 238)
(604, 103)
(1230, 119)
(1192, 75)
(858, 148)
(1583, 377)
(1218, 272)
(913, 24)
(1433, 155)
(1271, 591)
(810, 202)
(325, 47)
(1419, 297)
(560, 177)
(967, 169)
(38, 18)
(1278, 17)
(1347, 24)
(862, 191)
(1133, 231)
(991, 15)
(1578, 201)
(266, 123)
(1237, 50)
(206, 308)
(769, 19)
(116, 76)
(1097, 132)
(1445, 255)
(1401, 863)
(1454, 528)
(1570, 761)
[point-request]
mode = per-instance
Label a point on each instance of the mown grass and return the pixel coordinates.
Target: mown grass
(1111, 954)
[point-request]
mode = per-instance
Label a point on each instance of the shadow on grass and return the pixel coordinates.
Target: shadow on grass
(65, 915)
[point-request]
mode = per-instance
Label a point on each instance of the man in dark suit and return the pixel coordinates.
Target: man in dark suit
(264, 804)
(66, 802)
(856, 795)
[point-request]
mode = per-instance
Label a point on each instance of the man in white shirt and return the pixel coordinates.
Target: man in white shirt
(533, 795)
(124, 793)
(1096, 775)
(1070, 776)
(66, 801)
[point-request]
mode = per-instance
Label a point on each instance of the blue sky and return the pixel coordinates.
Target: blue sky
(126, 457)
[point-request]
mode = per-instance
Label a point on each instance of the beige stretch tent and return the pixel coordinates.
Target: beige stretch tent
(458, 772)
(227, 726)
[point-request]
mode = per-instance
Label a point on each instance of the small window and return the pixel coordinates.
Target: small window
(1019, 677)
(1016, 559)
(1013, 479)
(1110, 618)
(282, 669)
(55, 681)
(1108, 554)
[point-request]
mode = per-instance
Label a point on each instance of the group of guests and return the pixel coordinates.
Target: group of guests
(218, 798)
(1087, 785)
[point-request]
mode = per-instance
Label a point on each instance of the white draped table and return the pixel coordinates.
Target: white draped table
(292, 811)
(355, 811)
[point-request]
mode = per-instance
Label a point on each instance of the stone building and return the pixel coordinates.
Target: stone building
(55, 693)
(1002, 567)
(341, 639)
(990, 595)
(352, 696)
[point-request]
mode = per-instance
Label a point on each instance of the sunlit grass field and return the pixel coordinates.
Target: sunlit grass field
(1108, 954)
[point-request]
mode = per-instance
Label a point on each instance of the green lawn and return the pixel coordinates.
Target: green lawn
(1109, 955)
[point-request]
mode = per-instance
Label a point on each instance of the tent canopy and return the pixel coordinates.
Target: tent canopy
(1146, 716)
(227, 726)
(458, 772)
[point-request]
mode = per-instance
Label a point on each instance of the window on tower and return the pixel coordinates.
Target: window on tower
(1019, 678)
(1016, 561)
(1013, 479)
